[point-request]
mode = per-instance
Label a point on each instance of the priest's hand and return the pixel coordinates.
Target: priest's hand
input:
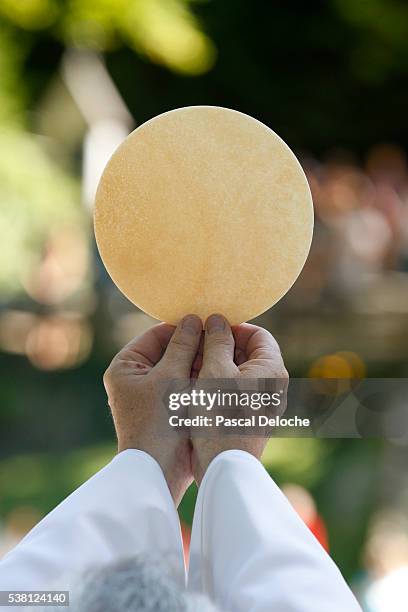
(242, 352)
(132, 383)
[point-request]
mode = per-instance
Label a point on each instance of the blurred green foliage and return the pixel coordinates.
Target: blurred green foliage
(380, 48)
(165, 31)
(12, 89)
(35, 196)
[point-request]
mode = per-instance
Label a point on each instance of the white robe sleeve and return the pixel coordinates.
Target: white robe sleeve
(124, 510)
(250, 552)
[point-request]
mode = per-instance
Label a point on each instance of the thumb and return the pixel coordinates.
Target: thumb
(181, 350)
(218, 352)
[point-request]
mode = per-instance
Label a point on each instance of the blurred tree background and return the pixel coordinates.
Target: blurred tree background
(330, 77)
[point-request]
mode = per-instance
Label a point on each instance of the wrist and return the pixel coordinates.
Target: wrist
(176, 471)
(201, 463)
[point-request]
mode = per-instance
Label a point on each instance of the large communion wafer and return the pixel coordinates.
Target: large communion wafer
(201, 210)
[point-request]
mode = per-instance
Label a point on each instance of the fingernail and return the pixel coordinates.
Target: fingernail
(192, 324)
(215, 323)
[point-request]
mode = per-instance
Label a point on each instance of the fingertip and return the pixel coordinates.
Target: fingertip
(192, 324)
(164, 327)
(182, 347)
(216, 323)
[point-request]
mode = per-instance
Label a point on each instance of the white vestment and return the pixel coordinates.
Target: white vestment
(250, 552)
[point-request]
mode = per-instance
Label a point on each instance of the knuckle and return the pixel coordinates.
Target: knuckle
(107, 377)
(109, 374)
(214, 369)
(180, 342)
(181, 345)
(219, 341)
(283, 376)
(280, 372)
(274, 344)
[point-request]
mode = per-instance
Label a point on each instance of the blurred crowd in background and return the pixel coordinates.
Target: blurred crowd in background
(76, 76)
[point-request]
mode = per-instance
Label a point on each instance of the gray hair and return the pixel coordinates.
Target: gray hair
(134, 585)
